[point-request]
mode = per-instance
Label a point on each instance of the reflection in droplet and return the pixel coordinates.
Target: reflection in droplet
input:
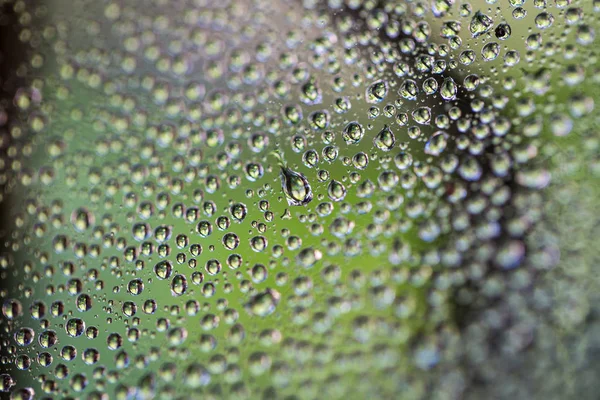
(296, 188)
(264, 303)
(385, 139)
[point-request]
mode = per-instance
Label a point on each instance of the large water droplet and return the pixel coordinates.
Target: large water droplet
(264, 303)
(336, 190)
(385, 139)
(437, 143)
(448, 89)
(480, 24)
(295, 187)
(377, 91)
(353, 133)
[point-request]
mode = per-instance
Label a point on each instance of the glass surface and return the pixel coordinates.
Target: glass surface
(299, 199)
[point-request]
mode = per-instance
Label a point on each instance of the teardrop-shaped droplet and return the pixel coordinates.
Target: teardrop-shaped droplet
(311, 94)
(295, 187)
(448, 89)
(385, 139)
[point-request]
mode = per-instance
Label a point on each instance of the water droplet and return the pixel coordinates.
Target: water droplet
(353, 133)
(296, 188)
(163, 269)
(377, 91)
(385, 139)
(480, 24)
(437, 143)
(178, 285)
(311, 94)
(449, 89)
(336, 190)
(6, 383)
(544, 20)
(422, 115)
(264, 303)
(409, 89)
(503, 31)
(239, 211)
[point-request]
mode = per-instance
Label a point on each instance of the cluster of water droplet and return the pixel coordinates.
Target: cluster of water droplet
(247, 198)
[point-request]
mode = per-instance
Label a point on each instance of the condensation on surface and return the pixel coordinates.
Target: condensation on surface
(299, 199)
